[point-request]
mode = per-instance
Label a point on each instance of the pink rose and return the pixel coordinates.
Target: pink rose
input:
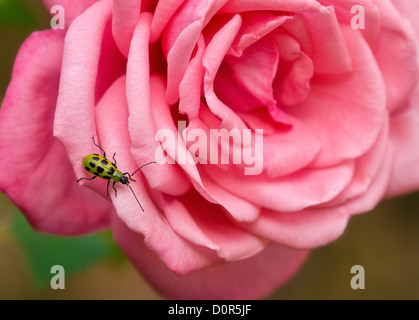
(339, 109)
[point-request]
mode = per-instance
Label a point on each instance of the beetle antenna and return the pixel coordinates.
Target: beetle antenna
(142, 167)
(135, 197)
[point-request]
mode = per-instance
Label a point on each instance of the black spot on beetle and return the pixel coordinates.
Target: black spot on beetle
(111, 171)
(96, 174)
(104, 162)
(96, 158)
(100, 169)
(107, 177)
(92, 164)
(87, 168)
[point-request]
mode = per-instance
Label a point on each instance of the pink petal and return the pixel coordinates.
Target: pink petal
(235, 6)
(180, 38)
(109, 56)
(286, 152)
(111, 120)
(297, 28)
(330, 55)
(112, 123)
(239, 208)
(124, 19)
(305, 229)
(251, 278)
(262, 59)
(76, 99)
(190, 13)
(377, 189)
(290, 193)
(404, 135)
(142, 128)
(346, 113)
(255, 26)
(191, 84)
(367, 168)
(214, 55)
(184, 224)
(36, 173)
(409, 10)
(165, 9)
(236, 206)
(397, 56)
(233, 243)
(292, 86)
(73, 8)
(178, 58)
(404, 124)
(163, 120)
(232, 93)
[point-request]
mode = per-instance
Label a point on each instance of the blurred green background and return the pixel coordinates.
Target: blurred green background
(385, 241)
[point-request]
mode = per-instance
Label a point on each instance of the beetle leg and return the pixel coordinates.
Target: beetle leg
(85, 179)
(113, 186)
(114, 160)
(104, 153)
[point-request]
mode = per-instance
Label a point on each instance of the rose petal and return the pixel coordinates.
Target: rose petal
(269, 269)
(112, 123)
(367, 168)
(410, 11)
(292, 86)
(234, 6)
(165, 9)
(214, 55)
(260, 59)
(377, 189)
(294, 192)
(36, 173)
(163, 120)
(178, 58)
(397, 42)
(72, 8)
(285, 152)
(255, 26)
(183, 223)
(233, 242)
(404, 135)
(346, 113)
(305, 229)
(141, 101)
(79, 69)
(343, 11)
(240, 208)
(191, 84)
(330, 55)
(109, 56)
(124, 19)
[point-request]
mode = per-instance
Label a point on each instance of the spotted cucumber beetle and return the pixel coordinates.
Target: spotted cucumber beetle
(101, 167)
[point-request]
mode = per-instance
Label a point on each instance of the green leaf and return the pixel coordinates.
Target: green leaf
(14, 13)
(73, 253)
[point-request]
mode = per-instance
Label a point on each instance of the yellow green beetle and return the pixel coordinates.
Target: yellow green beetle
(99, 166)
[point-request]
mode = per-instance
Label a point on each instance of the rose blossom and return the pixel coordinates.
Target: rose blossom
(339, 109)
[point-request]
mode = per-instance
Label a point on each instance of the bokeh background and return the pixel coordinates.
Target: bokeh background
(384, 241)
